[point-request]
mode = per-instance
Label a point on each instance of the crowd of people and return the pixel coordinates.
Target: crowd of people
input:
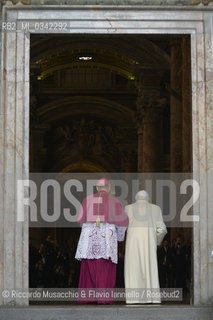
(174, 264)
(49, 265)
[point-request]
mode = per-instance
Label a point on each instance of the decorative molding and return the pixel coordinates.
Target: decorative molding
(111, 2)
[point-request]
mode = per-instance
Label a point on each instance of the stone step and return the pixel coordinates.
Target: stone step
(133, 312)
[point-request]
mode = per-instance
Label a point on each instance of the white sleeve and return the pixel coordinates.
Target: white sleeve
(120, 233)
(161, 229)
(128, 211)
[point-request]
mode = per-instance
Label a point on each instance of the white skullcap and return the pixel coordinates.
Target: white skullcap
(142, 195)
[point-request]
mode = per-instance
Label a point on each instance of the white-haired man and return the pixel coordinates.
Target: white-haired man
(146, 230)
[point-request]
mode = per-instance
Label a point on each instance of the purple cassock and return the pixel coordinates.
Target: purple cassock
(97, 247)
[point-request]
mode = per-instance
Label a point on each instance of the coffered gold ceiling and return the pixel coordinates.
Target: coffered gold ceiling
(119, 53)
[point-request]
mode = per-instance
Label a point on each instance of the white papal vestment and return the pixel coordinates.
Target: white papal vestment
(146, 230)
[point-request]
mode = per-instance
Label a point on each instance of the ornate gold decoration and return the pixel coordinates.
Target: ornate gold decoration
(102, 59)
(83, 166)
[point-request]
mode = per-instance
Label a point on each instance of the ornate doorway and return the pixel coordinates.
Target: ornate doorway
(15, 111)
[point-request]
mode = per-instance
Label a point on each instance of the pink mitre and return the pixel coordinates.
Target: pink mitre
(102, 182)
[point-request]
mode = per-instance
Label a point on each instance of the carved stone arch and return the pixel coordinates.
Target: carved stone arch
(83, 166)
(144, 51)
(77, 105)
(87, 129)
(87, 164)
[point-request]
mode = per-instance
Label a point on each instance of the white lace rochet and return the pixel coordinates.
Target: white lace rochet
(99, 242)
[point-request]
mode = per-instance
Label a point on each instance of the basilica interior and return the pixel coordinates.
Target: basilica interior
(109, 103)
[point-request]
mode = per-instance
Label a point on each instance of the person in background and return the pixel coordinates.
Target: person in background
(33, 259)
(165, 264)
(179, 262)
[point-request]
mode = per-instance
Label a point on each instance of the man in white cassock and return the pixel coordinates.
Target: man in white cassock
(146, 230)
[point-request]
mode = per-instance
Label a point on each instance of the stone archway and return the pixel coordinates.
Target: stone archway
(82, 128)
(83, 167)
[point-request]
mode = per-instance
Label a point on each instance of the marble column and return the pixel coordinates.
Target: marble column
(151, 139)
(38, 156)
(1, 170)
(186, 121)
(176, 137)
(139, 122)
(186, 105)
(14, 164)
(176, 107)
